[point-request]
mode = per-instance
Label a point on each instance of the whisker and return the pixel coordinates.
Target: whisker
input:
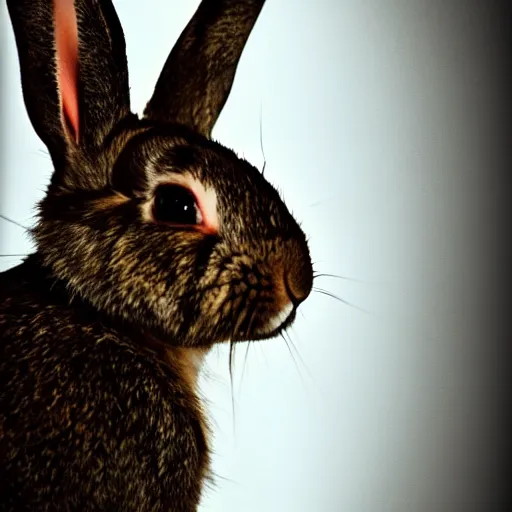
(261, 141)
(300, 358)
(14, 222)
(242, 314)
(12, 255)
(44, 154)
(253, 314)
(231, 351)
(260, 345)
(248, 344)
(291, 353)
(315, 276)
(317, 203)
(216, 476)
(282, 334)
(333, 296)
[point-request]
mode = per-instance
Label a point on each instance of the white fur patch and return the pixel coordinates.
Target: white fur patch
(277, 320)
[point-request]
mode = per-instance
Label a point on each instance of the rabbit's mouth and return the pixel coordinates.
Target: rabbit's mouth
(276, 324)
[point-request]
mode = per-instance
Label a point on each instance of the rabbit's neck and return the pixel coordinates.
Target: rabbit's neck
(190, 361)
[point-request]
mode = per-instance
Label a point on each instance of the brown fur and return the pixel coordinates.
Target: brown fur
(102, 329)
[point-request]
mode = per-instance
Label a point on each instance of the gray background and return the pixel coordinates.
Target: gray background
(379, 126)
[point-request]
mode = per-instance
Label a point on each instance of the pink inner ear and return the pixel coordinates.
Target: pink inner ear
(66, 41)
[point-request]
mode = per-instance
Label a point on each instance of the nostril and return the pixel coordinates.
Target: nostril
(298, 283)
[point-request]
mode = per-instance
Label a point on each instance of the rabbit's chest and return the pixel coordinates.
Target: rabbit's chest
(92, 419)
(158, 432)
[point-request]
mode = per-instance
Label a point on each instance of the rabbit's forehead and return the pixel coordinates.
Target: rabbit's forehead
(209, 165)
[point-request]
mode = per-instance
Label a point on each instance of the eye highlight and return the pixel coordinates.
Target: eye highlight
(176, 204)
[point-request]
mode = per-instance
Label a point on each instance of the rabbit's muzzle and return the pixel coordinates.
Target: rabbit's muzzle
(257, 292)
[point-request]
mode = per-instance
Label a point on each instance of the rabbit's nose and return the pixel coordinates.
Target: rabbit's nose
(298, 280)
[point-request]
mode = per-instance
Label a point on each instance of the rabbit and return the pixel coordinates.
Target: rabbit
(153, 243)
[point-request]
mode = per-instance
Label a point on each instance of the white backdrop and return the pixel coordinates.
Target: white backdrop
(369, 128)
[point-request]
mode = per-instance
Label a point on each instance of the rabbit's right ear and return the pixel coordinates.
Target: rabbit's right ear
(73, 71)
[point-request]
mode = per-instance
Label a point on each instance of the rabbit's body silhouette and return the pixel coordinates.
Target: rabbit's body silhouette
(91, 418)
(153, 243)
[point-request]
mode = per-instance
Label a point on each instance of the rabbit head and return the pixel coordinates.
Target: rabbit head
(150, 220)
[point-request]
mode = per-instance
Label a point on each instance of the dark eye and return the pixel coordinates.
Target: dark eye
(176, 204)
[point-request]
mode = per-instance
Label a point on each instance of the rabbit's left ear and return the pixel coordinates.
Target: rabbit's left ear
(197, 77)
(73, 71)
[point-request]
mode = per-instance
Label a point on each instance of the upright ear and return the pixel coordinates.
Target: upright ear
(73, 71)
(197, 77)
